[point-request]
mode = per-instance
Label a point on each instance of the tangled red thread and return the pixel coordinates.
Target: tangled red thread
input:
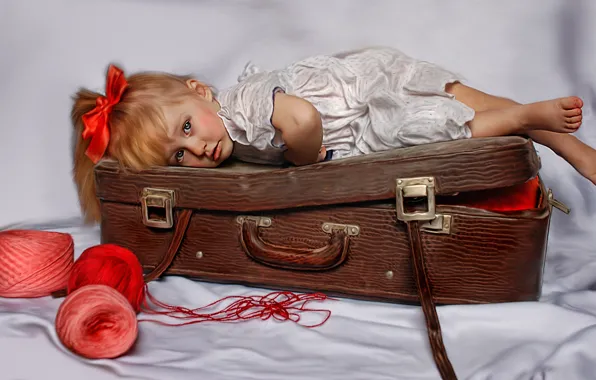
(282, 306)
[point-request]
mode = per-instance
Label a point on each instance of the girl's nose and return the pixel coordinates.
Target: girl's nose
(198, 148)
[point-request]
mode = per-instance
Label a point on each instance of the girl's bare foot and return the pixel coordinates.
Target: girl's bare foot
(563, 115)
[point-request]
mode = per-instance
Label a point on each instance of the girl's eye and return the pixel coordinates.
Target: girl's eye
(179, 155)
(186, 127)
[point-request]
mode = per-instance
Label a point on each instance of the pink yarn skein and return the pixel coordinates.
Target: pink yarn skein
(34, 263)
(97, 322)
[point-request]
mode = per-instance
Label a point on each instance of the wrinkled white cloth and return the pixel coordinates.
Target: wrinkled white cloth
(363, 340)
(370, 100)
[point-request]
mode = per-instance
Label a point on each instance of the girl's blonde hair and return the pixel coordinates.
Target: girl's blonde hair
(137, 128)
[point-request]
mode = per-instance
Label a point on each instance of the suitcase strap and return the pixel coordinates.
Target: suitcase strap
(179, 231)
(433, 327)
(424, 289)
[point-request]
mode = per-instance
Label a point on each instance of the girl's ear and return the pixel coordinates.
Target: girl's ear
(201, 89)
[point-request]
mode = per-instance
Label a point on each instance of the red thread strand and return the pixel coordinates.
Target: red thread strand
(282, 306)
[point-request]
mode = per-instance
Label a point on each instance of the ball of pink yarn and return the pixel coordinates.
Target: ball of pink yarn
(34, 263)
(97, 322)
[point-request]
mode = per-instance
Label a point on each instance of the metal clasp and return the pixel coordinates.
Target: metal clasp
(555, 203)
(351, 230)
(157, 207)
(440, 225)
(413, 188)
(261, 221)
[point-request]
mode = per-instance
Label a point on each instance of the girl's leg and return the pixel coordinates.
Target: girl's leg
(581, 156)
(559, 115)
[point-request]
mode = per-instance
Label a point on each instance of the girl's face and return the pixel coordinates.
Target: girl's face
(198, 136)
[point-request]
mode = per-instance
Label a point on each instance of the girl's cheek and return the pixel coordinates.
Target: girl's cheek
(209, 121)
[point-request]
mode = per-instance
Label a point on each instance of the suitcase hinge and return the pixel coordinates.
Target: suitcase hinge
(415, 188)
(157, 207)
(558, 204)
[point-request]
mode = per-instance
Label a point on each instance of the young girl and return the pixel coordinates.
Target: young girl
(320, 108)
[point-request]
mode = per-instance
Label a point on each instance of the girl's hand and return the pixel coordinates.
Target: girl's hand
(322, 154)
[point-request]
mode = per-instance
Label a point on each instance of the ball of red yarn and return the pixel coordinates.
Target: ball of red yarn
(111, 265)
(34, 263)
(97, 322)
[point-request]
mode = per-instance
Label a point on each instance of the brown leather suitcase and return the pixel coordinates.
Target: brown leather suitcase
(427, 224)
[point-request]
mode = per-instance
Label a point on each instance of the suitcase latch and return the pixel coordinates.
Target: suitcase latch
(555, 203)
(440, 225)
(157, 207)
(418, 187)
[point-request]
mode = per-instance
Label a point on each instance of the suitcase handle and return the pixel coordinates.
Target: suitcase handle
(304, 259)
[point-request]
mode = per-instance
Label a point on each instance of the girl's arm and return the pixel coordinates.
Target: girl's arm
(301, 128)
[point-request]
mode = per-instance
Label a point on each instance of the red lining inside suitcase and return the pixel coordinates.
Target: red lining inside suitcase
(525, 196)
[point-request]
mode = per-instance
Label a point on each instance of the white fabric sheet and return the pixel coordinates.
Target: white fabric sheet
(527, 50)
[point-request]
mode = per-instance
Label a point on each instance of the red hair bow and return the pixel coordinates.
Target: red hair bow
(96, 120)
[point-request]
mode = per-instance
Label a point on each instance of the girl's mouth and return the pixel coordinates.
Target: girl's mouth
(217, 151)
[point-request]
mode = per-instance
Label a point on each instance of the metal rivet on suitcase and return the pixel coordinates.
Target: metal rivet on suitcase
(199, 255)
(389, 274)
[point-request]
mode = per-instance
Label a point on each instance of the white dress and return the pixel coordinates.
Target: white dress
(370, 100)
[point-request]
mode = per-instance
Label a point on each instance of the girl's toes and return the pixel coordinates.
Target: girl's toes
(571, 102)
(572, 112)
(573, 120)
(573, 126)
